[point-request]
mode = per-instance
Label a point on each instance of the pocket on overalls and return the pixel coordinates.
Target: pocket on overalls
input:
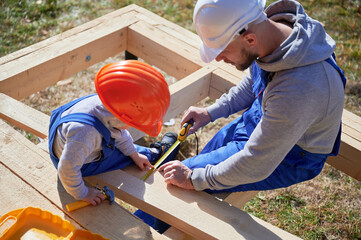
(304, 165)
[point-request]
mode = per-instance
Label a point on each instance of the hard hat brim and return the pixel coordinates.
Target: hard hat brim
(209, 54)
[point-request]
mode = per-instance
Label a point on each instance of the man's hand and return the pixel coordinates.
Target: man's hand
(200, 117)
(178, 174)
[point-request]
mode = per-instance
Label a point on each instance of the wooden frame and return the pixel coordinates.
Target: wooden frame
(175, 51)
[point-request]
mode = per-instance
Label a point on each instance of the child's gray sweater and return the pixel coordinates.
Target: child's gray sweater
(76, 144)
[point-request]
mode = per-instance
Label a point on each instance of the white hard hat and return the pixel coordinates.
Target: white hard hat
(218, 21)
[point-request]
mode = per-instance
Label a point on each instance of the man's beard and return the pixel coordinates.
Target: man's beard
(249, 59)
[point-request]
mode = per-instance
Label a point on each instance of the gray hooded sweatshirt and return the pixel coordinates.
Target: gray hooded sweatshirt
(76, 144)
(302, 105)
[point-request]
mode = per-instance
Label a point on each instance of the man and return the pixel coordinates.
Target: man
(293, 96)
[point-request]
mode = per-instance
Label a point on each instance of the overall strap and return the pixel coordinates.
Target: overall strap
(90, 120)
(337, 144)
(56, 114)
(260, 80)
(56, 120)
(339, 70)
(253, 114)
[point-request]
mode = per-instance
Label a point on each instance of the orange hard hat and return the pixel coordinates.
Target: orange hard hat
(134, 92)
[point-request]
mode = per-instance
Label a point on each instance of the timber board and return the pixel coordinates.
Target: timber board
(17, 194)
(198, 214)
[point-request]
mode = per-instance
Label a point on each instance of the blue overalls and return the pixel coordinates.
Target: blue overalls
(298, 166)
(111, 158)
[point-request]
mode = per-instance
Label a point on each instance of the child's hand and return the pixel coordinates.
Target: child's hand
(141, 161)
(94, 196)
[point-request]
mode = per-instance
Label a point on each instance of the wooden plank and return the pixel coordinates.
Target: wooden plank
(23, 116)
(229, 68)
(17, 194)
(236, 199)
(222, 81)
(175, 37)
(214, 93)
(196, 213)
(172, 29)
(162, 50)
(38, 69)
(189, 91)
(34, 166)
(351, 124)
(349, 158)
(239, 199)
(71, 32)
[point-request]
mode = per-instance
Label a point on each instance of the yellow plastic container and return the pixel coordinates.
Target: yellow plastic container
(34, 223)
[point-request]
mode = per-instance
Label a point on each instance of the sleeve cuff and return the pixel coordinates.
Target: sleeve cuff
(198, 180)
(214, 111)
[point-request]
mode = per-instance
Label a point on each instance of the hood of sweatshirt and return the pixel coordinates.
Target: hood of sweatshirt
(307, 44)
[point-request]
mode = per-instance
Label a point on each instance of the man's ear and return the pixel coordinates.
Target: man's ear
(250, 38)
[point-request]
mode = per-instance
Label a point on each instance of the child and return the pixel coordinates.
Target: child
(88, 135)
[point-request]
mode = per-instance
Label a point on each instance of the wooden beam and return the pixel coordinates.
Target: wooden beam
(222, 81)
(71, 32)
(23, 116)
(196, 213)
(351, 124)
(17, 194)
(44, 66)
(172, 29)
(349, 158)
(189, 91)
(239, 199)
(159, 48)
(34, 166)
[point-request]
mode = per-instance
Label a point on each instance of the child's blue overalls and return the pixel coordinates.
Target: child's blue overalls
(111, 158)
(298, 166)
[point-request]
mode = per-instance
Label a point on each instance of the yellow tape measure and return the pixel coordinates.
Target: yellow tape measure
(183, 133)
